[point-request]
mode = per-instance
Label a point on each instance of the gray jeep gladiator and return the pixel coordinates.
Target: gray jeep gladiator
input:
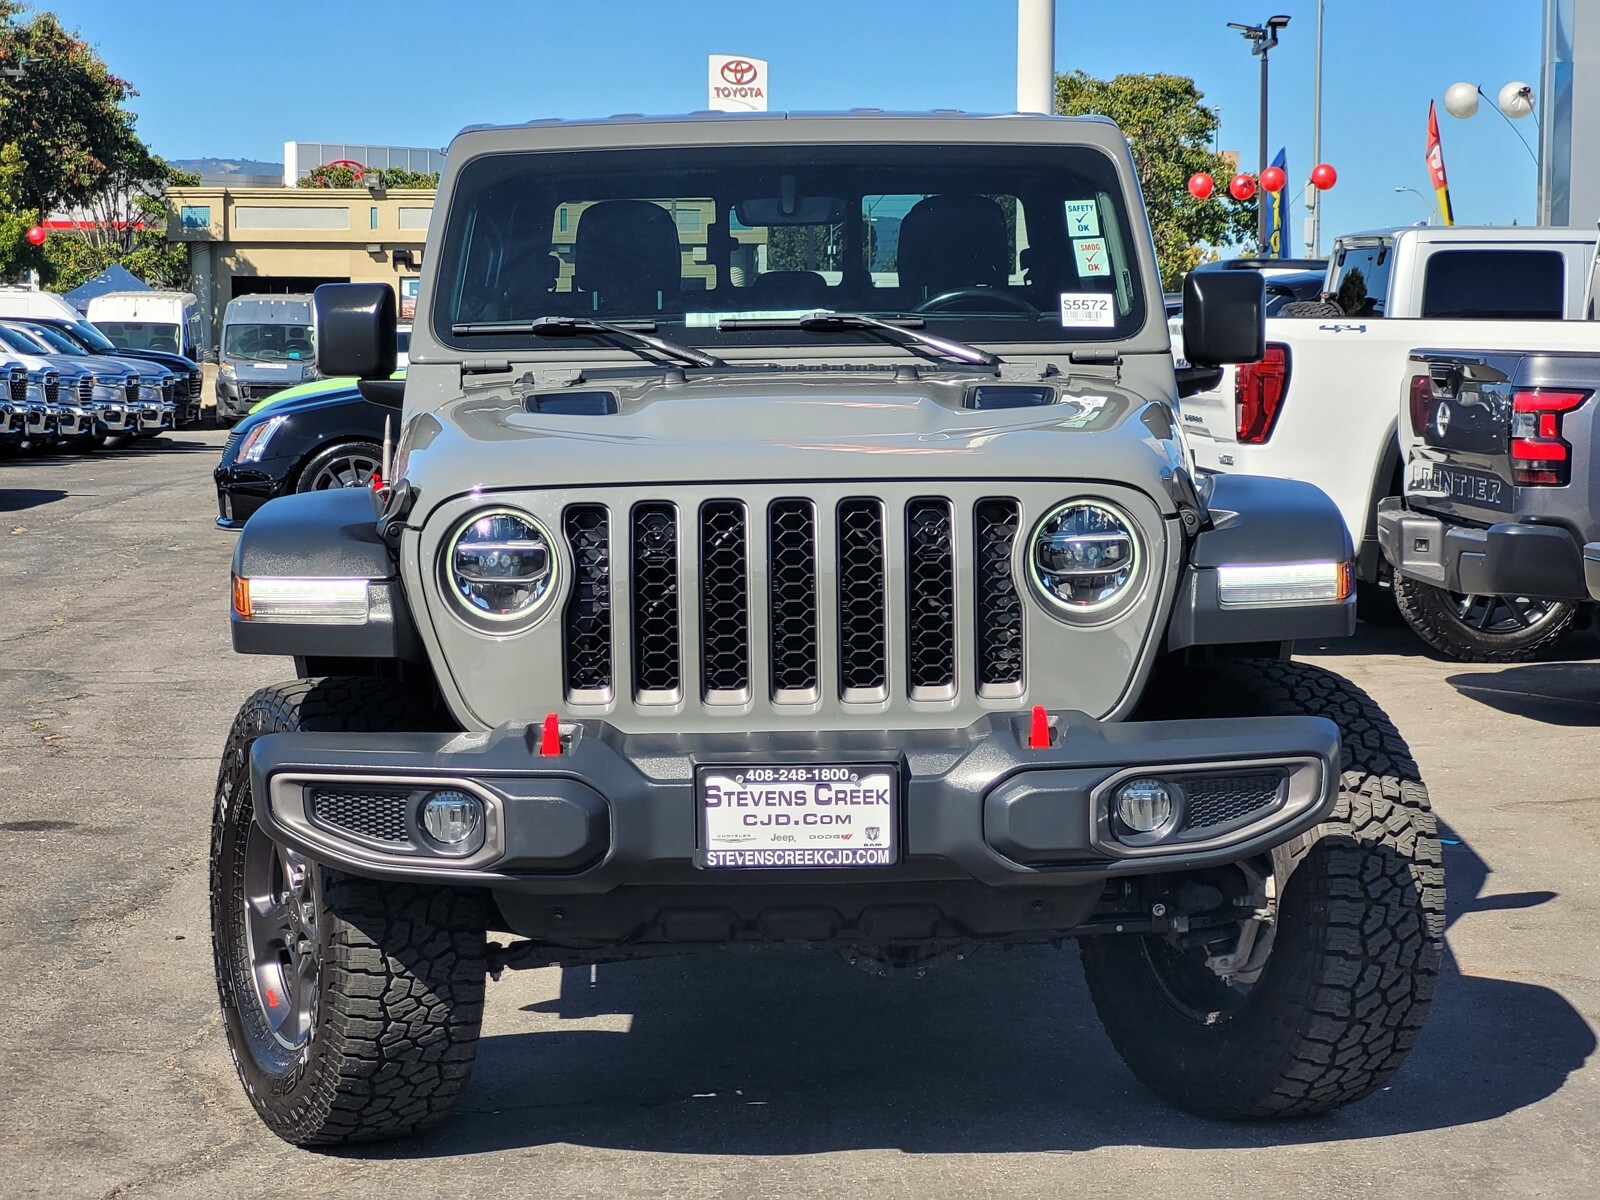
(787, 541)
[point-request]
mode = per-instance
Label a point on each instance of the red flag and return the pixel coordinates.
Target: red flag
(1441, 181)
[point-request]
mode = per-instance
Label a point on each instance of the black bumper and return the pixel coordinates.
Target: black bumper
(1543, 562)
(243, 490)
(613, 811)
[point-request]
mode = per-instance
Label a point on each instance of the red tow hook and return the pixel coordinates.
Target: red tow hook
(1039, 729)
(550, 738)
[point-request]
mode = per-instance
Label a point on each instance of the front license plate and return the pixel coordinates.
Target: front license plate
(1431, 481)
(798, 816)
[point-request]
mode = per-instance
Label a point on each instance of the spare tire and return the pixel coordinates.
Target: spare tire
(1310, 308)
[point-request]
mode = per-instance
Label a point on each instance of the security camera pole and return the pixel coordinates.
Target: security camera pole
(1262, 38)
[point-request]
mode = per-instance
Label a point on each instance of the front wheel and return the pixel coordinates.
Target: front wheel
(344, 465)
(1321, 995)
(351, 1006)
(1481, 628)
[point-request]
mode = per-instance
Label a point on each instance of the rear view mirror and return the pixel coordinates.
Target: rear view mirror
(800, 210)
(355, 330)
(1224, 317)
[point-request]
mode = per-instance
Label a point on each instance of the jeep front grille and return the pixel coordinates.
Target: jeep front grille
(997, 606)
(696, 573)
(587, 641)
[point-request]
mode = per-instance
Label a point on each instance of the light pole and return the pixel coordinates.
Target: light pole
(1431, 205)
(1316, 142)
(1262, 38)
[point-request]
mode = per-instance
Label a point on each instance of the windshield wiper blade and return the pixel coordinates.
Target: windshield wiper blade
(903, 331)
(630, 334)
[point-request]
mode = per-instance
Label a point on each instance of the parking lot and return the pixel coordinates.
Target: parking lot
(731, 1075)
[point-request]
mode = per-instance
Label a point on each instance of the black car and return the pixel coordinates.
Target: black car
(187, 401)
(331, 439)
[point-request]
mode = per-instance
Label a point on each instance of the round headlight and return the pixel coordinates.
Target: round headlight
(500, 565)
(1084, 558)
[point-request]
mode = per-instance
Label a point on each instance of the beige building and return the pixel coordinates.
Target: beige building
(246, 241)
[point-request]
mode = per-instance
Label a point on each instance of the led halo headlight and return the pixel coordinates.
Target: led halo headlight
(1084, 559)
(499, 566)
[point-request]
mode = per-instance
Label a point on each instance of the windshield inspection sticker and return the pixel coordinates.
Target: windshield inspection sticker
(1083, 219)
(1087, 310)
(1091, 256)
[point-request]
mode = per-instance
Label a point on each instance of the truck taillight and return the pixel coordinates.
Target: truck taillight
(1258, 391)
(1421, 402)
(1539, 456)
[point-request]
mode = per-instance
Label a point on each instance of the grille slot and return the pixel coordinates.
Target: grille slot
(196, 382)
(19, 385)
(52, 388)
(587, 647)
(792, 588)
(378, 815)
(1223, 799)
(86, 389)
(657, 666)
(168, 389)
(130, 389)
(996, 604)
(724, 601)
(930, 600)
(863, 632)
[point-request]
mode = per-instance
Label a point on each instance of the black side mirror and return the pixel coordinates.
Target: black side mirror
(1224, 317)
(355, 330)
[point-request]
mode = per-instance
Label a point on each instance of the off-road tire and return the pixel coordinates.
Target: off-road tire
(401, 977)
(1356, 951)
(1431, 614)
(1311, 308)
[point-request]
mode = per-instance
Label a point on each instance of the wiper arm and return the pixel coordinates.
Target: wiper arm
(903, 331)
(633, 335)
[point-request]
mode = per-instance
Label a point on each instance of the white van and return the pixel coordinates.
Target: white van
(150, 320)
(269, 343)
(20, 302)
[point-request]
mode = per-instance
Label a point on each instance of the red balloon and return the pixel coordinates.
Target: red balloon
(1201, 185)
(1242, 187)
(37, 235)
(1323, 177)
(1273, 179)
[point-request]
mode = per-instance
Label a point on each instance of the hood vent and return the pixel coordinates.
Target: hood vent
(572, 404)
(1009, 395)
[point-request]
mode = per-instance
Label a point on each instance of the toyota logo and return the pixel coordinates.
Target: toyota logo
(739, 71)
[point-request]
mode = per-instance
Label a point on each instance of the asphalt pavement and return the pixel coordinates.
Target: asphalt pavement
(746, 1075)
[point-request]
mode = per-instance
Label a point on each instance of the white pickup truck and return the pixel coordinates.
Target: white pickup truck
(1321, 406)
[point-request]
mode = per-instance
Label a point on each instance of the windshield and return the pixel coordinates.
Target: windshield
(20, 341)
(91, 338)
(141, 335)
(984, 243)
(269, 343)
(57, 341)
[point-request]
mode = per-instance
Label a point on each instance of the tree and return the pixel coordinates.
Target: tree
(15, 220)
(1170, 132)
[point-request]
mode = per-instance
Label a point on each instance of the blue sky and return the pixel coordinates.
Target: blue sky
(412, 73)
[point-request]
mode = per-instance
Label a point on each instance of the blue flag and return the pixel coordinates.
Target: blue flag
(1278, 213)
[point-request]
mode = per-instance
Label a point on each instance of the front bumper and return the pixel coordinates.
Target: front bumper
(41, 423)
(242, 489)
(977, 806)
(76, 420)
(1543, 562)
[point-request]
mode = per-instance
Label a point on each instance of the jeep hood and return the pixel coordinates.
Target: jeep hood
(724, 430)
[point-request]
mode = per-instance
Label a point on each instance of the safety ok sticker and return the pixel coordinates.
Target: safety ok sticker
(1091, 256)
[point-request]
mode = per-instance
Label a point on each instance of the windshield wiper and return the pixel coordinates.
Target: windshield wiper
(633, 335)
(902, 331)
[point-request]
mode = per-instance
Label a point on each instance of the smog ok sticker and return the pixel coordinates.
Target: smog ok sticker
(1091, 256)
(1083, 219)
(1087, 310)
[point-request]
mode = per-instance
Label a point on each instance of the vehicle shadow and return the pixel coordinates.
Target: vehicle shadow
(1559, 693)
(1369, 638)
(764, 1054)
(19, 499)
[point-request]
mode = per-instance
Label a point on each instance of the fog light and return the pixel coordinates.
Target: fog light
(1144, 805)
(452, 818)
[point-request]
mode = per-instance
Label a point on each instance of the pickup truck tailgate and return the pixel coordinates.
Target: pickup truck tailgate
(1488, 425)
